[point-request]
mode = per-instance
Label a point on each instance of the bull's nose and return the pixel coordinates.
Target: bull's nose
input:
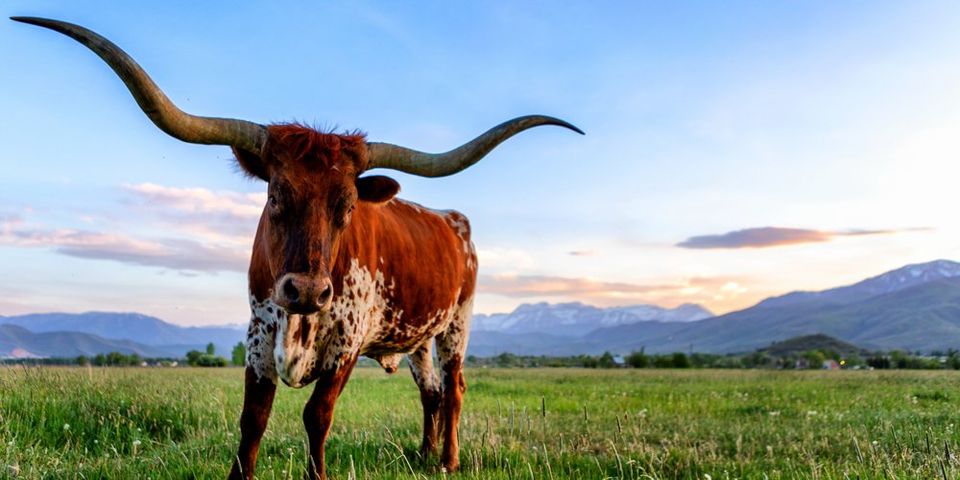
(304, 294)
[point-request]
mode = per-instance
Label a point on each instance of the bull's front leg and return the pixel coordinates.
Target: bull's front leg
(258, 396)
(318, 414)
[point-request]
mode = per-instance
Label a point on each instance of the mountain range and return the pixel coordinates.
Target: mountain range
(72, 334)
(916, 307)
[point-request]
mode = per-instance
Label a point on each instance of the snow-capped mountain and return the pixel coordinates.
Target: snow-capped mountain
(576, 318)
(889, 282)
(916, 307)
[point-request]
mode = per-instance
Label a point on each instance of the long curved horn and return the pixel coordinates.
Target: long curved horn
(246, 135)
(385, 155)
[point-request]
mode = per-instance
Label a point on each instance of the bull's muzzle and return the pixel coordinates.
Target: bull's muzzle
(303, 294)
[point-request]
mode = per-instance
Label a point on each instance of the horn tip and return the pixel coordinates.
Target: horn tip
(569, 126)
(31, 20)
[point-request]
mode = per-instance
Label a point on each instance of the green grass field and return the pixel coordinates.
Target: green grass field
(64, 423)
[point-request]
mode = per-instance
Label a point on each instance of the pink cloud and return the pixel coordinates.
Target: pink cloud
(221, 216)
(776, 236)
(175, 254)
(201, 201)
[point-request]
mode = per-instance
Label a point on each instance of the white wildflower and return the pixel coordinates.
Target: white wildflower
(66, 426)
(775, 413)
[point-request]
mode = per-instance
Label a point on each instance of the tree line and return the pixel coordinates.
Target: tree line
(810, 359)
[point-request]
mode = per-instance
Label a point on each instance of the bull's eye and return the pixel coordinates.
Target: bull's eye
(273, 203)
(346, 216)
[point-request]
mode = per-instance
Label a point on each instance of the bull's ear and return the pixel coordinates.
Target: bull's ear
(377, 188)
(251, 164)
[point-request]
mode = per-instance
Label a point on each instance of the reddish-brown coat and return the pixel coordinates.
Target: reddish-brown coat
(425, 257)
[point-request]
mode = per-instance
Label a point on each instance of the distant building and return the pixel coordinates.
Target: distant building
(830, 365)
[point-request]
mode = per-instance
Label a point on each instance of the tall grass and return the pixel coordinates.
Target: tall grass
(556, 424)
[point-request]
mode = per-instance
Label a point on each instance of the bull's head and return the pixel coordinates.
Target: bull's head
(314, 180)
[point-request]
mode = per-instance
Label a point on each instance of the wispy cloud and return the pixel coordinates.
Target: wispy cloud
(175, 254)
(776, 236)
(223, 216)
(207, 231)
(202, 201)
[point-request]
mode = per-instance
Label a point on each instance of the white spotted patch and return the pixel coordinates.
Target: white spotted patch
(261, 336)
(452, 344)
(296, 348)
(421, 366)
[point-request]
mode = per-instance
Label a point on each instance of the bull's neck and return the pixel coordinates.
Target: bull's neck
(358, 242)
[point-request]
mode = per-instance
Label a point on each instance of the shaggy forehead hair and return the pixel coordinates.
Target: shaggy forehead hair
(302, 143)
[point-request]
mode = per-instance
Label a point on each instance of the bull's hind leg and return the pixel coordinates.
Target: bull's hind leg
(451, 348)
(421, 366)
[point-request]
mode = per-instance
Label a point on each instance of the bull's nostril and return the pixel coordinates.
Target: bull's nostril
(290, 291)
(325, 295)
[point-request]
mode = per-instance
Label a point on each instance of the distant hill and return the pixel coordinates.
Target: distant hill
(18, 342)
(905, 315)
(135, 327)
(798, 345)
(916, 307)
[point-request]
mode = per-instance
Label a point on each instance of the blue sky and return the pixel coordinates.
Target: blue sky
(734, 150)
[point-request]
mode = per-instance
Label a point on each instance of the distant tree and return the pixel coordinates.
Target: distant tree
(815, 358)
(83, 361)
(589, 361)
(193, 357)
(879, 362)
(116, 358)
(506, 359)
(638, 359)
(606, 361)
(680, 360)
(239, 354)
(757, 359)
(134, 359)
(953, 360)
(211, 349)
(100, 360)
